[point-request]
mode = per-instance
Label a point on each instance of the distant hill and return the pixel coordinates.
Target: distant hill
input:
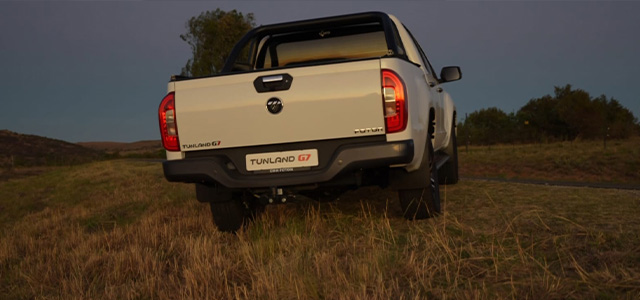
(148, 149)
(24, 150)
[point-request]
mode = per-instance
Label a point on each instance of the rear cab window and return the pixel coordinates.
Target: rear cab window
(322, 46)
(290, 46)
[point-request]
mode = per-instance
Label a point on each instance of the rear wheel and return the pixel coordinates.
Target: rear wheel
(424, 202)
(232, 214)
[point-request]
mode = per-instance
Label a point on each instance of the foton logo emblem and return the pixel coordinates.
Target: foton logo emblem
(274, 105)
(368, 130)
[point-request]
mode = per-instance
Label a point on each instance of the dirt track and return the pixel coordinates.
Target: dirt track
(598, 185)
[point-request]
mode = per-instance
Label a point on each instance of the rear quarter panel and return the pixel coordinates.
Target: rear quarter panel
(418, 104)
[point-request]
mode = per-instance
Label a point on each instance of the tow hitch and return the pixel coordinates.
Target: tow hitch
(275, 196)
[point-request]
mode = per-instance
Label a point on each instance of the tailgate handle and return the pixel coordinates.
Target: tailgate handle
(272, 83)
(274, 78)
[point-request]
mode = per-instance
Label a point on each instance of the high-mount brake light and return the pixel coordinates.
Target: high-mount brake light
(394, 97)
(168, 126)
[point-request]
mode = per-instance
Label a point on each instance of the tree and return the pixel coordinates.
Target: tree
(620, 121)
(212, 36)
(581, 114)
(541, 119)
(488, 126)
(567, 115)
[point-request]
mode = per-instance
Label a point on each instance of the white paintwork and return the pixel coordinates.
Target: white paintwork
(324, 102)
(418, 105)
(440, 101)
(175, 155)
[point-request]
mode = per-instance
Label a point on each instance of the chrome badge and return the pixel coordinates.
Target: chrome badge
(274, 105)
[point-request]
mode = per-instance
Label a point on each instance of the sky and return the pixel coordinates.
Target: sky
(97, 70)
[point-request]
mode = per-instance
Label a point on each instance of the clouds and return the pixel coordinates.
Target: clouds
(84, 71)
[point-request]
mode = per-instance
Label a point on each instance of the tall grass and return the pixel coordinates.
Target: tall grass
(117, 230)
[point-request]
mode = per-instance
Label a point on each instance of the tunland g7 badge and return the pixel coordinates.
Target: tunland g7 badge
(285, 161)
(274, 105)
(201, 145)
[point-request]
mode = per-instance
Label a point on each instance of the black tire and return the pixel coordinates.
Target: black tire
(230, 216)
(422, 203)
(448, 173)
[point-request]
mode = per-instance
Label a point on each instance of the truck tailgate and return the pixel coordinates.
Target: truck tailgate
(323, 102)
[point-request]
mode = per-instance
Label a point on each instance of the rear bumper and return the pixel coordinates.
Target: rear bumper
(346, 158)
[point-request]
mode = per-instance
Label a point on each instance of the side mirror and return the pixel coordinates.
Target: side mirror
(450, 74)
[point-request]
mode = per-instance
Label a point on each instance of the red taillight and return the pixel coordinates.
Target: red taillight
(168, 126)
(394, 98)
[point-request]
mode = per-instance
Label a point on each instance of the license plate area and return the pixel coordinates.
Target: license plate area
(285, 161)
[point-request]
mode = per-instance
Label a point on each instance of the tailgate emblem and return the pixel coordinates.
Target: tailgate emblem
(274, 105)
(368, 130)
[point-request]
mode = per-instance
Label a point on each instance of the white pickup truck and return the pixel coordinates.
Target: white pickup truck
(314, 108)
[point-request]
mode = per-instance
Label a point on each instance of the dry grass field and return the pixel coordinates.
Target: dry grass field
(581, 161)
(118, 230)
(149, 149)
